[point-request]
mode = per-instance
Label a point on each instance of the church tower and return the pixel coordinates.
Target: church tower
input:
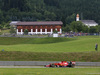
(77, 17)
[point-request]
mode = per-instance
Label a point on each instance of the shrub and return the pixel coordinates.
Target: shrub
(55, 31)
(12, 30)
(26, 32)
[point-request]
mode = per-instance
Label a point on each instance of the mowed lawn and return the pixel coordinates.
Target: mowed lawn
(50, 71)
(77, 44)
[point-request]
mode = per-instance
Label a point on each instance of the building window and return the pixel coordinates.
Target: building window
(58, 30)
(29, 30)
(19, 30)
(43, 30)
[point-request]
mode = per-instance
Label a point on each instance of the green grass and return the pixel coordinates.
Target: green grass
(50, 49)
(81, 44)
(5, 31)
(50, 71)
(15, 41)
(48, 56)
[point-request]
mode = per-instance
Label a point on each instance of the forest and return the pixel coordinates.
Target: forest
(49, 10)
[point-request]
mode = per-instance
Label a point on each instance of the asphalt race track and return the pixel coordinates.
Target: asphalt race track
(22, 67)
(40, 64)
(45, 67)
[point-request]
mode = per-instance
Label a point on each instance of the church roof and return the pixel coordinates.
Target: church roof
(89, 22)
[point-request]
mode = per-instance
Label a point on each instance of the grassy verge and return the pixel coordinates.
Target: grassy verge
(16, 40)
(51, 71)
(46, 56)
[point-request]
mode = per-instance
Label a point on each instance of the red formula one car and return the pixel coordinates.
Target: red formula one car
(61, 64)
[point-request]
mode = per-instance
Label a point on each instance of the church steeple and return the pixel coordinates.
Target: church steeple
(77, 17)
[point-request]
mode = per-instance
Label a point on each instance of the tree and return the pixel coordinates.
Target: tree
(12, 30)
(55, 31)
(1, 16)
(52, 2)
(66, 29)
(49, 15)
(98, 28)
(77, 26)
(26, 31)
(85, 29)
(70, 19)
(92, 29)
(0, 27)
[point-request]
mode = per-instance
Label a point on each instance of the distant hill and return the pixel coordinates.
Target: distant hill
(35, 10)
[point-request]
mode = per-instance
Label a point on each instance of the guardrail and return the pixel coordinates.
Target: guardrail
(38, 63)
(87, 63)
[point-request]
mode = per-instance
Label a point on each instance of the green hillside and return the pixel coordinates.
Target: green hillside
(42, 10)
(81, 44)
(50, 49)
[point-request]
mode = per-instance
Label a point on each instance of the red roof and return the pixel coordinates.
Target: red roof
(41, 23)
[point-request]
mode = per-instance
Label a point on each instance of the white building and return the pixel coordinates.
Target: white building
(88, 23)
(39, 27)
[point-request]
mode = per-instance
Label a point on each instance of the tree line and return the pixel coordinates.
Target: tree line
(48, 10)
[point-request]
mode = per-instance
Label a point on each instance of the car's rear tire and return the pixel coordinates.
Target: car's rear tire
(72, 65)
(57, 66)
